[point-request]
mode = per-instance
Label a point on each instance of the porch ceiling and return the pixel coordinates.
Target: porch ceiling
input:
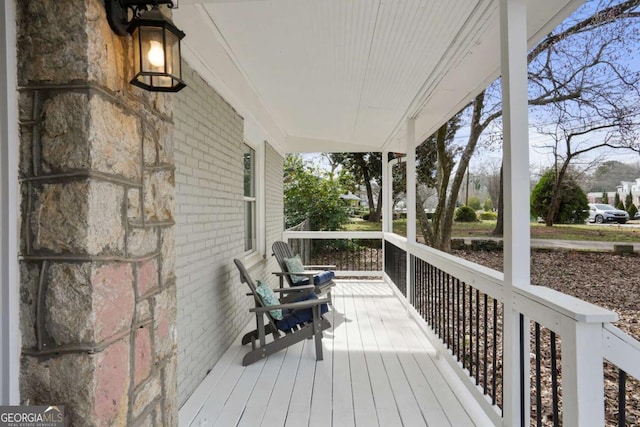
(343, 75)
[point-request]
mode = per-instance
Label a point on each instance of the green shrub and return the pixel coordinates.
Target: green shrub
(488, 205)
(366, 216)
(620, 206)
(474, 203)
(465, 214)
(632, 210)
(573, 209)
(488, 216)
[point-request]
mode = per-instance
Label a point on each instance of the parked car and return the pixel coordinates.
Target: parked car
(601, 213)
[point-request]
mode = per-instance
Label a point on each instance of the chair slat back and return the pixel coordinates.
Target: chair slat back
(281, 250)
(246, 278)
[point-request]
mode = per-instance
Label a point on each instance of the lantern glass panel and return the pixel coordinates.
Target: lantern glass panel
(153, 57)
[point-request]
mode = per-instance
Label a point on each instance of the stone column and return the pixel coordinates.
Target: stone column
(98, 298)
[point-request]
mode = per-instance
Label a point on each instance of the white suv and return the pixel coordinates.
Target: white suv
(601, 213)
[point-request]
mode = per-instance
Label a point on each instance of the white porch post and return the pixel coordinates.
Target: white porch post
(411, 197)
(9, 205)
(387, 193)
(513, 39)
(582, 375)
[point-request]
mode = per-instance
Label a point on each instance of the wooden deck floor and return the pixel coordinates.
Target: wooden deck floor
(378, 370)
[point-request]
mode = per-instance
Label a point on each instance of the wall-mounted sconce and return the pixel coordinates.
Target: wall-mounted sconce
(156, 42)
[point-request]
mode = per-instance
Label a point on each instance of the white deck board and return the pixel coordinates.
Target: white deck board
(378, 370)
(342, 404)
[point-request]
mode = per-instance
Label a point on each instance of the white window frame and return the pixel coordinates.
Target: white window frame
(9, 207)
(258, 252)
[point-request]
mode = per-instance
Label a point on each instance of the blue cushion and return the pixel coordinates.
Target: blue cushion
(293, 318)
(319, 279)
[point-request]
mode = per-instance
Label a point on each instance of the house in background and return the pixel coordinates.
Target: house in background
(123, 209)
(630, 187)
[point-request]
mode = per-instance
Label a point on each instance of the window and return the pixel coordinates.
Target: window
(249, 159)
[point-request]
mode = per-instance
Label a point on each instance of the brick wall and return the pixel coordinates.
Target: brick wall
(212, 306)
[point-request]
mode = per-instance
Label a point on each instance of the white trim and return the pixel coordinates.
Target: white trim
(257, 198)
(513, 58)
(411, 195)
(387, 193)
(261, 202)
(9, 205)
(621, 349)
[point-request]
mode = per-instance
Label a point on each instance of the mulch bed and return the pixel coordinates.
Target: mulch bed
(606, 279)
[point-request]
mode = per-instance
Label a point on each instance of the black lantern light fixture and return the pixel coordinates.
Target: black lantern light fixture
(156, 42)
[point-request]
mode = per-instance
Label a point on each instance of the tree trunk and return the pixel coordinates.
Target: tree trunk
(499, 230)
(556, 198)
(443, 240)
(379, 206)
(374, 216)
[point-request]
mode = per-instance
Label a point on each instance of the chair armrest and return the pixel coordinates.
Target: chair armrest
(308, 273)
(289, 290)
(292, 305)
(320, 267)
(295, 289)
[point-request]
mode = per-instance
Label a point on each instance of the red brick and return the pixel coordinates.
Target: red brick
(112, 385)
(143, 356)
(147, 276)
(113, 299)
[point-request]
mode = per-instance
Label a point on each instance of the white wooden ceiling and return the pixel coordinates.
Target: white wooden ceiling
(343, 75)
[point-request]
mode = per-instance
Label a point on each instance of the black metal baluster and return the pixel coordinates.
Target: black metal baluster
(522, 361)
(432, 296)
(454, 322)
(477, 337)
(450, 310)
(427, 271)
(486, 344)
(554, 379)
(464, 325)
(458, 318)
(440, 305)
(538, 374)
(622, 398)
(495, 351)
(471, 331)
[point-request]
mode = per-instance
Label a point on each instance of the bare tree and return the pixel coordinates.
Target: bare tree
(589, 90)
(572, 65)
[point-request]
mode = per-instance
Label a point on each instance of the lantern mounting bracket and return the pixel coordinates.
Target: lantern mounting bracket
(118, 12)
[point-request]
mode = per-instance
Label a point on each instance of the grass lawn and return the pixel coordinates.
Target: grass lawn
(596, 233)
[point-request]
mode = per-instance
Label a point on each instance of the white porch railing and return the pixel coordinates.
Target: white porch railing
(460, 305)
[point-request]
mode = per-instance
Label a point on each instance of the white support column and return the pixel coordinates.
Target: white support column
(387, 194)
(513, 44)
(411, 197)
(582, 375)
(9, 205)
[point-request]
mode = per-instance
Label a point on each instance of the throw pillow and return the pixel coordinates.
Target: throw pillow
(269, 298)
(294, 265)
